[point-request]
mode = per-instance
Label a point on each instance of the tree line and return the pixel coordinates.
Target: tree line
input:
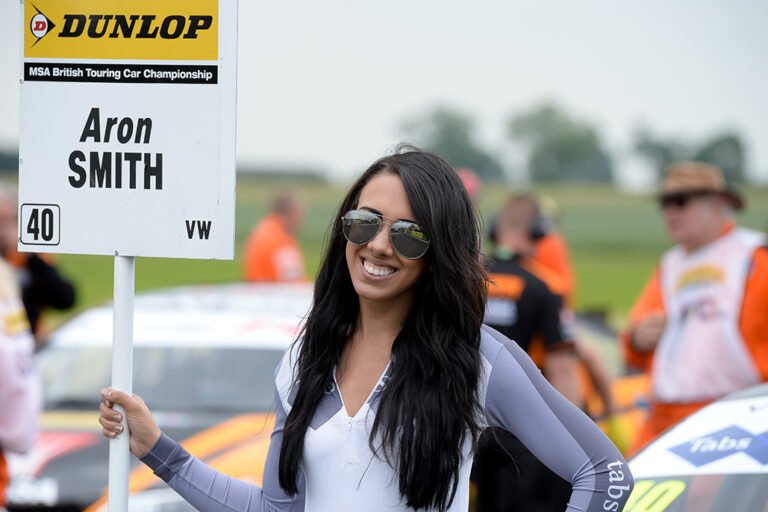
(559, 147)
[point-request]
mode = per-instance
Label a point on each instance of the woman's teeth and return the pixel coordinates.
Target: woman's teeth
(376, 270)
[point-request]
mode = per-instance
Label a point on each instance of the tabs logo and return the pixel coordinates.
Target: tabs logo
(40, 25)
(724, 443)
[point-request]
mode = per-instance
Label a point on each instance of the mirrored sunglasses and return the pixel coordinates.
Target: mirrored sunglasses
(408, 238)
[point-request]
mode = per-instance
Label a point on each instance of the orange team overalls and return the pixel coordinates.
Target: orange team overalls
(272, 254)
(552, 252)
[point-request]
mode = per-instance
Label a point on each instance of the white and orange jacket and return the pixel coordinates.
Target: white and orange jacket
(715, 340)
(20, 386)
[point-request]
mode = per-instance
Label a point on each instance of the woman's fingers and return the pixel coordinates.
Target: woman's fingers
(109, 418)
(109, 421)
(112, 432)
(106, 411)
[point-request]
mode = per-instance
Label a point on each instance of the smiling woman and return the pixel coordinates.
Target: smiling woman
(380, 401)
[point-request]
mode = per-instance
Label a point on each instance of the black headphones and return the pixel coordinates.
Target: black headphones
(539, 227)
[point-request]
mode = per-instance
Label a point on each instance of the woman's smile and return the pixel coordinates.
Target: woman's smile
(377, 270)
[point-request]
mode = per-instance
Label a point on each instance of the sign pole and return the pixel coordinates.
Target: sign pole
(122, 379)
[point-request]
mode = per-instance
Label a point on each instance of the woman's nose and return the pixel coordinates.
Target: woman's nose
(381, 244)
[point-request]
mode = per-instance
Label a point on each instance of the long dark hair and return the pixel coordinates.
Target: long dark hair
(429, 408)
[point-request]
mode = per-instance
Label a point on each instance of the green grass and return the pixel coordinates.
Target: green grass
(615, 242)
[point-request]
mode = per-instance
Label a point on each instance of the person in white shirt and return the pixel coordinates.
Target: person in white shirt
(20, 386)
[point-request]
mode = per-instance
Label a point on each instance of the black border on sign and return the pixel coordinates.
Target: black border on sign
(39, 204)
(121, 68)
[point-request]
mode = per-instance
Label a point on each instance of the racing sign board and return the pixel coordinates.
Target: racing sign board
(127, 136)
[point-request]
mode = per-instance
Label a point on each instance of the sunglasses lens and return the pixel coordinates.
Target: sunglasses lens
(409, 240)
(676, 200)
(360, 226)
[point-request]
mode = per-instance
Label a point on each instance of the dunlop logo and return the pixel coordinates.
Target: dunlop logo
(146, 26)
(116, 30)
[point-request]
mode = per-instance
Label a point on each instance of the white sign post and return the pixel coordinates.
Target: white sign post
(127, 144)
(122, 378)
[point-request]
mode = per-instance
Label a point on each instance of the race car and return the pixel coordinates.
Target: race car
(204, 361)
(716, 460)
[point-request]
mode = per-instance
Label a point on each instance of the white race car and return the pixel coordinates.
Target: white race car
(204, 361)
(716, 460)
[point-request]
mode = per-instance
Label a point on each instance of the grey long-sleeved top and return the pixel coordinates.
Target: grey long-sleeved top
(339, 472)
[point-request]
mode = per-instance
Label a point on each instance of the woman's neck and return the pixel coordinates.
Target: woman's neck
(379, 322)
(370, 346)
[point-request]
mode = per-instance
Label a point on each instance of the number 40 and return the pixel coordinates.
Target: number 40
(40, 224)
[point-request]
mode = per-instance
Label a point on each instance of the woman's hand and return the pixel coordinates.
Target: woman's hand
(143, 429)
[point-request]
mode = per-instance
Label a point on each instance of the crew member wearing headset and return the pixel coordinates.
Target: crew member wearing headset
(523, 307)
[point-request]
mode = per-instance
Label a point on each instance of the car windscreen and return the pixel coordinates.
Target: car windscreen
(713, 493)
(168, 378)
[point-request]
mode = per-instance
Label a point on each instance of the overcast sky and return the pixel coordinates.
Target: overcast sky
(328, 83)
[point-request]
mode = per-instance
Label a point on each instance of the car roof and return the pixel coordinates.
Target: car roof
(729, 436)
(229, 315)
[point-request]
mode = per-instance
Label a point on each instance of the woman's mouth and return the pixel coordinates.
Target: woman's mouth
(377, 270)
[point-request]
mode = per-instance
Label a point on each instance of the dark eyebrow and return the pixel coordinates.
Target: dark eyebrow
(377, 212)
(372, 210)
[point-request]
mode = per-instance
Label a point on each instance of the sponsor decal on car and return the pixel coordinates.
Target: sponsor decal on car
(654, 496)
(727, 437)
(723, 443)
(33, 492)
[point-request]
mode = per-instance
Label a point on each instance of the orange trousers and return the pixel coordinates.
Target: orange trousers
(3, 479)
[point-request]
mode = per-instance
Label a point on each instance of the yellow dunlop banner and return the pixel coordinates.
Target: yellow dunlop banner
(121, 30)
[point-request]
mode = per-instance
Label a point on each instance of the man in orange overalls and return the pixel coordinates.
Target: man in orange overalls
(271, 251)
(700, 324)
